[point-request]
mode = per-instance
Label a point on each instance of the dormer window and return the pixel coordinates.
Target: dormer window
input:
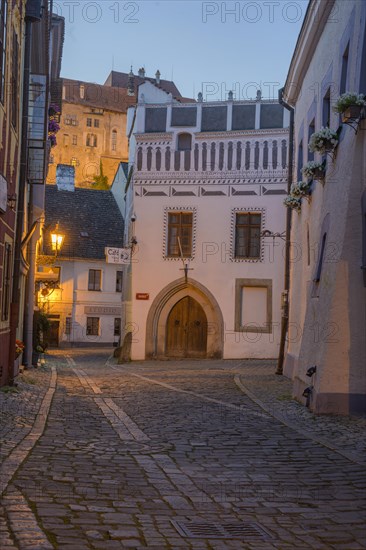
(82, 91)
(184, 142)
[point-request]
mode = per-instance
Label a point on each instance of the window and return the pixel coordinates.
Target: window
(5, 301)
(119, 281)
(66, 139)
(68, 326)
(300, 157)
(114, 143)
(74, 162)
(117, 327)
(253, 305)
(247, 235)
(344, 71)
(74, 140)
(310, 133)
(14, 82)
(319, 267)
(95, 276)
(51, 159)
(326, 109)
(82, 91)
(91, 140)
(89, 122)
(96, 123)
(180, 233)
(70, 120)
(92, 326)
(3, 14)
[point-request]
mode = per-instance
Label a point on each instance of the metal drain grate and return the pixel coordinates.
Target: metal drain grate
(232, 530)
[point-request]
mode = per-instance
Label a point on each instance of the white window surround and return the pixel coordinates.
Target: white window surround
(244, 210)
(168, 210)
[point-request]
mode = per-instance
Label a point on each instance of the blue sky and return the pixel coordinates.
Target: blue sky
(203, 46)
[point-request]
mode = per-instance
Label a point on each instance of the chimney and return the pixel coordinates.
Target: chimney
(131, 83)
(157, 76)
(141, 72)
(65, 177)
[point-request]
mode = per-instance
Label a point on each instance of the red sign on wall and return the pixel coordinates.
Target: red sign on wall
(142, 296)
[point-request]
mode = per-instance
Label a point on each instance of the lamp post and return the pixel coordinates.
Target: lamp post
(57, 239)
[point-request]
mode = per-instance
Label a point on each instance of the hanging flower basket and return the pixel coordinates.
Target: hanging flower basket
(353, 112)
(301, 189)
(293, 202)
(323, 141)
(351, 106)
(314, 170)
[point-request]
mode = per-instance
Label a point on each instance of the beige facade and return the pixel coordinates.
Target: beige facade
(93, 132)
(328, 281)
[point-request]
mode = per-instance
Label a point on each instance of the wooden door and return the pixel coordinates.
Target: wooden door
(52, 334)
(186, 331)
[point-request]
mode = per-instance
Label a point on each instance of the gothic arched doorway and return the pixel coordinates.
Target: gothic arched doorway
(186, 330)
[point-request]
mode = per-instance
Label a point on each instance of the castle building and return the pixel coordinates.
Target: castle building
(326, 355)
(204, 220)
(93, 137)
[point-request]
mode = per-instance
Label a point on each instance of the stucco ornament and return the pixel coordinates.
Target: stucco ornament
(323, 141)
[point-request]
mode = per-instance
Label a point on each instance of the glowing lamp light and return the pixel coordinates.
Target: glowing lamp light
(57, 239)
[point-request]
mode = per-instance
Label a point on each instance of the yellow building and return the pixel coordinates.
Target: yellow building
(92, 137)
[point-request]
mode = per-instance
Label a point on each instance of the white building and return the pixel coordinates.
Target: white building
(327, 327)
(208, 180)
(85, 307)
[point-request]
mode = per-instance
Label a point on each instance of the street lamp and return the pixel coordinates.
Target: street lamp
(57, 238)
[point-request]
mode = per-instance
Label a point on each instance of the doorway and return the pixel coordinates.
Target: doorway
(186, 330)
(52, 337)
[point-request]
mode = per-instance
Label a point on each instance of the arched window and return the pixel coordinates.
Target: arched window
(184, 142)
(256, 155)
(274, 154)
(204, 157)
(167, 159)
(247, 155)
(114, 140)
(221, 156)
(238, 155)
(158, 159)
(139, 159)
(230, 156)
(149, 158)
(284, 153)
(213, 155)
(265, 155)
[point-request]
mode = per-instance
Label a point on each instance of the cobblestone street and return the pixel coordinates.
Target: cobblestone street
(185, 454)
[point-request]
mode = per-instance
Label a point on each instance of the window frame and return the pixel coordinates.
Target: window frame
(15, 81)
(6, 281)
(93, 282)
(117, 327)
(252, 283)
(180, 226)
(91, 324)
(119, 280)
(251, 228)
(3, 39)
(89, 122)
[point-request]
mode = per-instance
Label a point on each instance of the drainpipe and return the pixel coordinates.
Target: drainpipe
(32, 14)
(286, 289)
